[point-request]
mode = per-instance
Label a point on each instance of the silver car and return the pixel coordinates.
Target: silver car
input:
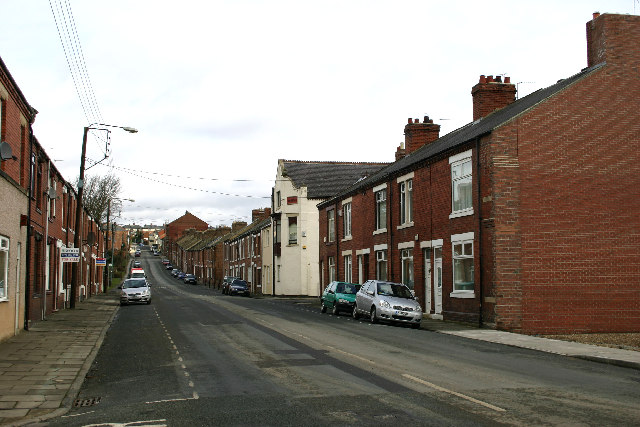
(135, 291)
(387, 301)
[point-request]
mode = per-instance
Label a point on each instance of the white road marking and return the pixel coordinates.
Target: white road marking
(455, 393)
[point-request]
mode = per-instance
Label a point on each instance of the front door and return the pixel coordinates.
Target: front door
(428, 288)
(360, 272)
(437, 279)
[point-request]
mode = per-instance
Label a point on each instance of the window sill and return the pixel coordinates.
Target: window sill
(346, 239)
(382, 230)
(4, 299)
(405, 225)
(462, 294)
(458, 214)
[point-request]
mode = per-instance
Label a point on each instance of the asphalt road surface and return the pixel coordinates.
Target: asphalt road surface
(195, 357)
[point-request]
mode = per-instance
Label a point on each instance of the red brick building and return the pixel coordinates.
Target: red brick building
(526, 219)
(176, 229)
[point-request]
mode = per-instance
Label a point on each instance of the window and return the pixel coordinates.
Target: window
(4, 267)
(406, 202)
(381, 265)
(346, 216)
(332, 269)
(52, 201)
(277, 200)
(406, 257)
(277, 238)
(293, 230)
(331, 225)
(381, 209)
(463, 271)
(461, 184)
(347, 268)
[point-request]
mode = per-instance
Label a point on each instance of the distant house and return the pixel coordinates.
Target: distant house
(528, 218)
(299, 187)
(177, 228)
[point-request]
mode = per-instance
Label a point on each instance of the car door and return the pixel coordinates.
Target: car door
(331, 295)
(364, 296)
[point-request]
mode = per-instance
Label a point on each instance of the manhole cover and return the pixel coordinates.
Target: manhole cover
(86, 402)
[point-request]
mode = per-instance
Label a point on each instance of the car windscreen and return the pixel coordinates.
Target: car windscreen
(394, 290)
(134, 284)
(346, 288)
(239, 283)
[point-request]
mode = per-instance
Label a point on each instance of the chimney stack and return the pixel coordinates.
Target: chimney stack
(491, 94)
(262, 213)
(238, 225)
(417, 134)
(613, 39)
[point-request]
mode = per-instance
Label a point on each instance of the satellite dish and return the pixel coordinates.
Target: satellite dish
(51, 192)
(5, 151)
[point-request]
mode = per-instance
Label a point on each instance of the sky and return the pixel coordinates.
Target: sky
(220, 90)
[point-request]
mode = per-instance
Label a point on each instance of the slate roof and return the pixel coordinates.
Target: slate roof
(325, 179)
(462, 135)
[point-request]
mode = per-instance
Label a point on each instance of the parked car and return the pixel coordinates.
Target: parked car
(137, 264)
(138, 253)
(226, 282)
(135, 291)
(169, 267)
(137, 273)
(387, 301)
(166, 261)
(175, 272)
(239, 287)
(339, 296)
(190, 278)
(180, 275)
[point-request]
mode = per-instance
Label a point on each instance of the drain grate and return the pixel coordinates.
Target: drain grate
(79, 403)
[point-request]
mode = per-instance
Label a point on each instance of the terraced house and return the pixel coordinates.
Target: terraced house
(526, 219)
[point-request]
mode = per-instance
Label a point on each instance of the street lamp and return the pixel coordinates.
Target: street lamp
(106, 284)
(76, 240)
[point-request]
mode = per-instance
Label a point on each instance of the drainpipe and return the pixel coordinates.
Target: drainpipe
(390, 210)
(27, 290)
(335, 226)
(480, 319)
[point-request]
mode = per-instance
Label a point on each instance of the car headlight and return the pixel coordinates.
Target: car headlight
(123, 294)
(385, 304)
(418, 308)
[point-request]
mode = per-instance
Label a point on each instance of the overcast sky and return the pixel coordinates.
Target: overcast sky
(220, 90)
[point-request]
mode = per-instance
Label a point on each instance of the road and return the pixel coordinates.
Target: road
(196, 357)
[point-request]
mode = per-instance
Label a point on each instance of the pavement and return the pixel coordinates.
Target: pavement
(42, 369)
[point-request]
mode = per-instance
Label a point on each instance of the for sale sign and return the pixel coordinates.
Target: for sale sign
(69, 254)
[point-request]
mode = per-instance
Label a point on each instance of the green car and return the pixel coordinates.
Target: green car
(339, 296)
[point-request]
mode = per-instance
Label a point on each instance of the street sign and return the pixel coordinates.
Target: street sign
(101, 262)
(69, 254)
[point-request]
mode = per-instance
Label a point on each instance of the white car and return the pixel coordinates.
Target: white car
(135, 291)
(387, 301)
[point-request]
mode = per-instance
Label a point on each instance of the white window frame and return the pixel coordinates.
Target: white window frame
(346, 220)
(293, 241)
(348, 268)
(464, 241)
(381, 202)
(381, 258)
(405, 190)
(406, 261)
(458, 161)
(331, 268)
(331, 225)
(4, 268)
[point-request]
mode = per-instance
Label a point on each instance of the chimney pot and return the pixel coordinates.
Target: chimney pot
(596, 14)
(410, 120)
(507, 80)
(416, 120)
(483, 79)
(489, 79)
(426, 119)
(499, 79)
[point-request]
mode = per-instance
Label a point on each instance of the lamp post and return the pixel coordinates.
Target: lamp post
(78, 228)
(106, 284)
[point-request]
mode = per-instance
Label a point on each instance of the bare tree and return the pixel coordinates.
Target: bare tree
(98, 191)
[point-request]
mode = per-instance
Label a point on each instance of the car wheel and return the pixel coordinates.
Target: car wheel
(373, 317)
(355, 313)
(148, 302)
(335, 311)
(323, 308)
